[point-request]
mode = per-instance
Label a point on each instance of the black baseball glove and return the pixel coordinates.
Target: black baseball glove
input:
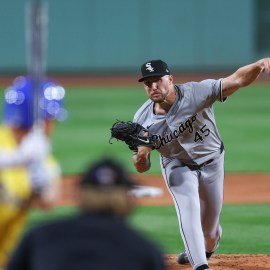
(133, 134)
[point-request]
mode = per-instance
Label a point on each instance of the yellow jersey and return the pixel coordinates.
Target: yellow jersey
(15, 191)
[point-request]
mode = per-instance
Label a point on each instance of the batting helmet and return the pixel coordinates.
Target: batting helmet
(19, 102)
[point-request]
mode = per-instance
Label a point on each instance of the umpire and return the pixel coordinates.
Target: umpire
(98, 237)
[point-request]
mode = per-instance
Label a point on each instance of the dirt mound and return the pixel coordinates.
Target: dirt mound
(238, 189)
(228, 262)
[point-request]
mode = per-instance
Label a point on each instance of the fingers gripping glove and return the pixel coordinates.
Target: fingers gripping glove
(133, 134)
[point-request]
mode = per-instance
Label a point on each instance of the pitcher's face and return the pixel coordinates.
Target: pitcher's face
(157, 88)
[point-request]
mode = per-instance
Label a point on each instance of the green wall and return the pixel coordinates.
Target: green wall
(118, 35)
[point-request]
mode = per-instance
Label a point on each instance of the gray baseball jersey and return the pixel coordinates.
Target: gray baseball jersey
(188, 132)
(192, 160)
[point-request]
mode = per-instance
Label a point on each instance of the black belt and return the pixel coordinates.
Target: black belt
(199, 166)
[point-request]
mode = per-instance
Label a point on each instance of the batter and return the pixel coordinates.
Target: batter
(29, 173)
(180, 118)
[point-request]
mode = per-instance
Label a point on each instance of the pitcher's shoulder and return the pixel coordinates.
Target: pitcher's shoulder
(143, 110)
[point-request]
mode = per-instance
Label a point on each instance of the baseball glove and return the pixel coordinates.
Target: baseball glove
(133, 134)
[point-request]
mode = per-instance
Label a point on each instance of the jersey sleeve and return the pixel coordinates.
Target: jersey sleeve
(142, 113)
(203, 94)
(209, 90)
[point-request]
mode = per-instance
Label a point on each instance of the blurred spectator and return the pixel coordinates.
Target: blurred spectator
(28, 172)
(98, 237)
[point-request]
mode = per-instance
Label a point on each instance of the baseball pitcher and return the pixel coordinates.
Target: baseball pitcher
(178, 121)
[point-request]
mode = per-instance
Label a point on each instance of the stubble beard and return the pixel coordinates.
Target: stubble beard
(160, 99)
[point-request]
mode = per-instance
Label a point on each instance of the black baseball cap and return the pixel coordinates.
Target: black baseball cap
(106, 173)
(154, 68)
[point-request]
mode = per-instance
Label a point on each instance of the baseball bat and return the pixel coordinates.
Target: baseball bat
(36, 44)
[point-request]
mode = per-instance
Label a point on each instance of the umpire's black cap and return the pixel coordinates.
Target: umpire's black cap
(106, 173)
(154, 68)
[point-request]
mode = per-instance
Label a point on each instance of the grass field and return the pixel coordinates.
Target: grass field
(245, 227)
(243, 121)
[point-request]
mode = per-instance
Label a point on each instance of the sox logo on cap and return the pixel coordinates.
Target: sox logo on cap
(149, 67)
